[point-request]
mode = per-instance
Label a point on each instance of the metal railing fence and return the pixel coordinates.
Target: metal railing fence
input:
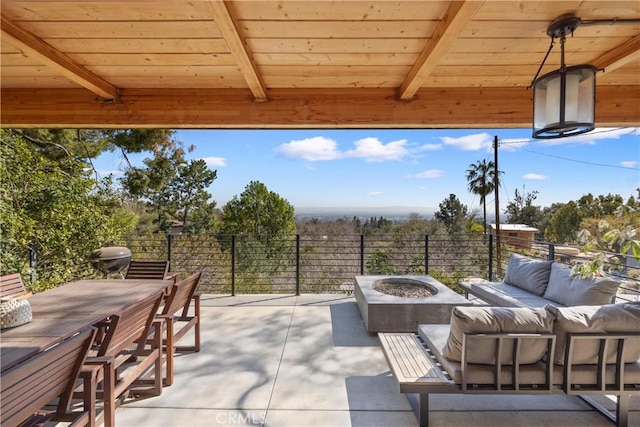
(245, 263)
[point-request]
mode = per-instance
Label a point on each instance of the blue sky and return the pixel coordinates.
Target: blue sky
(414, 168)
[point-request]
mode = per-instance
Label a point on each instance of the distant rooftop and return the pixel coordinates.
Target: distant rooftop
(516, 227)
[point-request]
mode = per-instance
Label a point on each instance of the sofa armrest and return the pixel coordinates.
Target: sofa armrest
(625, 376)
(520, 380)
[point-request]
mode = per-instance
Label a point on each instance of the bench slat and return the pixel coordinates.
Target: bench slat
(410, 363)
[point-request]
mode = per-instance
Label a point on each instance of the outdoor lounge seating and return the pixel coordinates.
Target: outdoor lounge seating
(178, 321)
(126, 355)
(536, 283)
(585, 350)
(52, 374)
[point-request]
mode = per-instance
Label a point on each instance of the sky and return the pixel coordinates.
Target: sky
(409, 168)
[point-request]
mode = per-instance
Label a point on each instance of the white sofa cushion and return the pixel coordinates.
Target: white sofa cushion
(571, 290)
(622, 317)
(496, 320)
(529, 274)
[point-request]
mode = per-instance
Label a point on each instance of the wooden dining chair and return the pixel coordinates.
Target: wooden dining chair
(178, 320)
(126, 339)
(153, 270)
(48, 376)
(11, 285)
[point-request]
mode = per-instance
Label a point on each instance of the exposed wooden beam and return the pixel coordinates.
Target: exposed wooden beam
(454, 20)
(297, 108)
(239, 50)
(619, 56)
(38, 49)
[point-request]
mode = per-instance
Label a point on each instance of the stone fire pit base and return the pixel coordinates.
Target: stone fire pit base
(386, 313)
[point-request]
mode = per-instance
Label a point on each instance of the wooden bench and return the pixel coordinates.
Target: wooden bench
(415, 370)
(417, 366)
(51, 374)
(177, 325)
(127, 340)
(11, 285)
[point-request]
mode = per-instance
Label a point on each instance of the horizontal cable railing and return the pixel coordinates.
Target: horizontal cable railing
(245, 264)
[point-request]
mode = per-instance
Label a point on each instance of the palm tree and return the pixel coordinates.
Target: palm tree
(480, 176)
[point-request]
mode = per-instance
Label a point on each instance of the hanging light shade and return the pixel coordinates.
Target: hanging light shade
(564, 100)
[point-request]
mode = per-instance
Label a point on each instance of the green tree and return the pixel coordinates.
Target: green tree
(88, 144)
(480, 177)
(452, 214)
(260, 212)
(53, 204)
(174, 189)
(522, 211)
(564, 225)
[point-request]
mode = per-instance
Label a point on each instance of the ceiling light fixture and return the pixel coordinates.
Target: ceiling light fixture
(564, 100)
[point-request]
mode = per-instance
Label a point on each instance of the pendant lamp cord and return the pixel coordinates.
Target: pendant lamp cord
(542, 65)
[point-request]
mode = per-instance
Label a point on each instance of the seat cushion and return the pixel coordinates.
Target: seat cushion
(569, 290)
(529, 274)
(624, 317)
(497, 320)
(498, 293)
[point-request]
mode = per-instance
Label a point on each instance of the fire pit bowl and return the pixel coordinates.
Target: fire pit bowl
(111, 259)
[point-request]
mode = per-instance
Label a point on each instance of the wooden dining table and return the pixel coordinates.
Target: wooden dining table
(62, 312)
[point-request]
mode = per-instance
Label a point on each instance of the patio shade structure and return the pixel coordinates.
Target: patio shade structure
(302, 64)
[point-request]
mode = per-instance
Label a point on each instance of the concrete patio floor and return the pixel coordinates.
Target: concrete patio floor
(277, 360)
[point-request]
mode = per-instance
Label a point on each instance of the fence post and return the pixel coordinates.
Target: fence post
(490, 257)
(426, 254)
(32, 262)
(362, 254)
(169, 244)
(552, 252)
(233, 265)
(297, 264)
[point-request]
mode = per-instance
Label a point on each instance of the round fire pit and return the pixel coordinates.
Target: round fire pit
(111, 259)
(405, 288)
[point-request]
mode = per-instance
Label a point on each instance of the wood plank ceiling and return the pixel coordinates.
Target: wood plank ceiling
(293, 64)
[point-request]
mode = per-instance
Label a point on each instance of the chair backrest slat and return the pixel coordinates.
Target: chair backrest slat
(51, 374)
(181, 294)
(11, 284)
(147, 270)
(130, 326)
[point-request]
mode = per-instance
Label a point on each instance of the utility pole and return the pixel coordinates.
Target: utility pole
(496, 191)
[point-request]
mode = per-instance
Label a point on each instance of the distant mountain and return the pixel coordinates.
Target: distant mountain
(364, 212)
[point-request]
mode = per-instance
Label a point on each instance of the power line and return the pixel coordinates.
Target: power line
(578, 161)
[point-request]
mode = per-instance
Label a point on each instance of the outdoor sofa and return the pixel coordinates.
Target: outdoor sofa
(549, 332)
(535, 283)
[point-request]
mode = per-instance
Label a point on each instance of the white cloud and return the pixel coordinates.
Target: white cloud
(428, 147)
(374, 193)
(472, 142)
(592, 137)
(215, 161)
(629, 164)
(372, 150)
(535, 176)
(428, 174)
(311, 149)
